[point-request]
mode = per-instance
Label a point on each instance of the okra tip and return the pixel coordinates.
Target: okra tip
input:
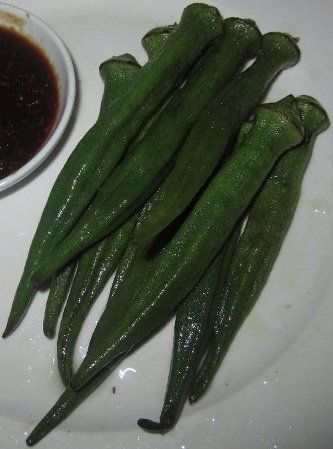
(153, 426)
(313, 115)
(11, 325)
(282, 44)
(49, 333)
(6, 332)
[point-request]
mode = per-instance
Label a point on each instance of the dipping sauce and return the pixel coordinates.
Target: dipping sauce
(28, 100)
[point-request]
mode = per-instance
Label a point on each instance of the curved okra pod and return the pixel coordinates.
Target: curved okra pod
(100, 150)
(115, 73)
(269, 219)
(135, 179)
(96, 265)
(94, 269)
(192, 329)
(180, 265)
(223, 117)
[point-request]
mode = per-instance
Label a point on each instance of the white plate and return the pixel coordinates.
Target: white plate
(275, 390)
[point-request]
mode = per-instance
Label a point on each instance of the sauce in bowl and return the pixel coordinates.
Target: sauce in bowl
(29, 100)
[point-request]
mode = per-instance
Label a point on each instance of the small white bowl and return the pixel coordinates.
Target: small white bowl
(37, 31)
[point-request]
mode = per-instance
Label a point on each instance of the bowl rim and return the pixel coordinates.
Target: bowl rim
(65, 115)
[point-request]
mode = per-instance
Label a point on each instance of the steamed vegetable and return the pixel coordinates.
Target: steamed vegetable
(100, 150)
(276, 128)
(269, 219)
(136, 178)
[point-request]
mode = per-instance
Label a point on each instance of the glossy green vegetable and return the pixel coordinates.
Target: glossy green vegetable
(190, 337)
(94, 269)
(193, 327)
(113, 87)
(68, 402)
(269, 219)
(224, 116)
(56, 299)
(100, 150)
(97, 265)
(133, 181)
(183, 261)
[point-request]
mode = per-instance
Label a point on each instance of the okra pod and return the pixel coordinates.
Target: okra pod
(190, 337)
(269, 218)
(97, 265)
(115, 80)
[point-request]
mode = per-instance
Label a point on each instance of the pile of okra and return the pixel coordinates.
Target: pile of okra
(184, 187)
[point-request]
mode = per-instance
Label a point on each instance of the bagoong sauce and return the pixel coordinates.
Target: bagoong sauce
(28, 100)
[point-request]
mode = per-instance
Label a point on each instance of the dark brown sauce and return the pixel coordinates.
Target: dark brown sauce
(28, 100)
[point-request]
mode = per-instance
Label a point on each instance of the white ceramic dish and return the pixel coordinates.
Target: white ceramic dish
(39, 32)
(275, 388)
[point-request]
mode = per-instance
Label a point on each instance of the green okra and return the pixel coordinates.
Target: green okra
(100, 150)
(190, 337)
(132, 182)
(179, 266)
(56, 299)
(193, 328)
(94, 269)
(269, 218)
(98, 263)
(196, 161)
(115, 81)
